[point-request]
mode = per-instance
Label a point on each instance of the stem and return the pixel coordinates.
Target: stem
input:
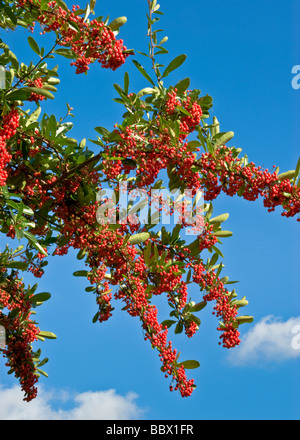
(77, 168)
(34, 68)
(152, 44)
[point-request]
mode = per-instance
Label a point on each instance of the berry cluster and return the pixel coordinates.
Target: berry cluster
(143, 150)
(216, 291)
(21, 331)
(224, 172)
(191, 328)
(149, 155)
(188, 122)
(10, 123)
(93, 41)
(104, 302)
(35, 96)
(108, 249)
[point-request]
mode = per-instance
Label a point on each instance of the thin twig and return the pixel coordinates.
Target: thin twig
(152, 45)
(34, 68)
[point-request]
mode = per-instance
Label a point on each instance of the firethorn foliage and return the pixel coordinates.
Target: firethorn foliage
(50, 186)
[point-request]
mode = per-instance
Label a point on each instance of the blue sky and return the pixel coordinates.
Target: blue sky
(242, 54)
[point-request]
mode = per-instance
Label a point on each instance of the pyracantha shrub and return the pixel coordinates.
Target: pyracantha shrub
(52, 192)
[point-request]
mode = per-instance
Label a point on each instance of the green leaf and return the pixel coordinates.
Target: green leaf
(178, 328)
(96, 317)
(215, 129)
(155, 252)
(81, 254)
(189, 365)
(67, 53)
(13, 59)
(199, 306)
(195, 319)
(214, 259)
(117, 23)
(18, 249)
(43, 362)
(120, 91)
(87, 12)
(42, 372)
(47, 335)
(245, 319)
(147, 253)
(126, 83)
(287, 175)
(92, 4)
(103, 131)
(223, 234)
(34, 242)
(17, 265)
(62, 4)
(297, 171)
(39, 91)
(145, 91)
(49, 87)
(53, 81)
(34, 46)
(174, 64)
(164, 40)
(81, 159)
(19, 94)
(176, 232)
(219, 219)
(139, 238)
(10, 14)
(183, 110)
(161, 51)
(14, 205)
(14, 313)
(193, 145)
(168, 323)
(40, 297)
(81, 273)
(240, 303)
(114, 136)
(194, 245)
(143, 72)
(38, 247)
(223, 138)
(51, 129)
(34, 116)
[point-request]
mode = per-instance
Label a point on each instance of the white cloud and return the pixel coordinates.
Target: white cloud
(271, 339)
(90, 405)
